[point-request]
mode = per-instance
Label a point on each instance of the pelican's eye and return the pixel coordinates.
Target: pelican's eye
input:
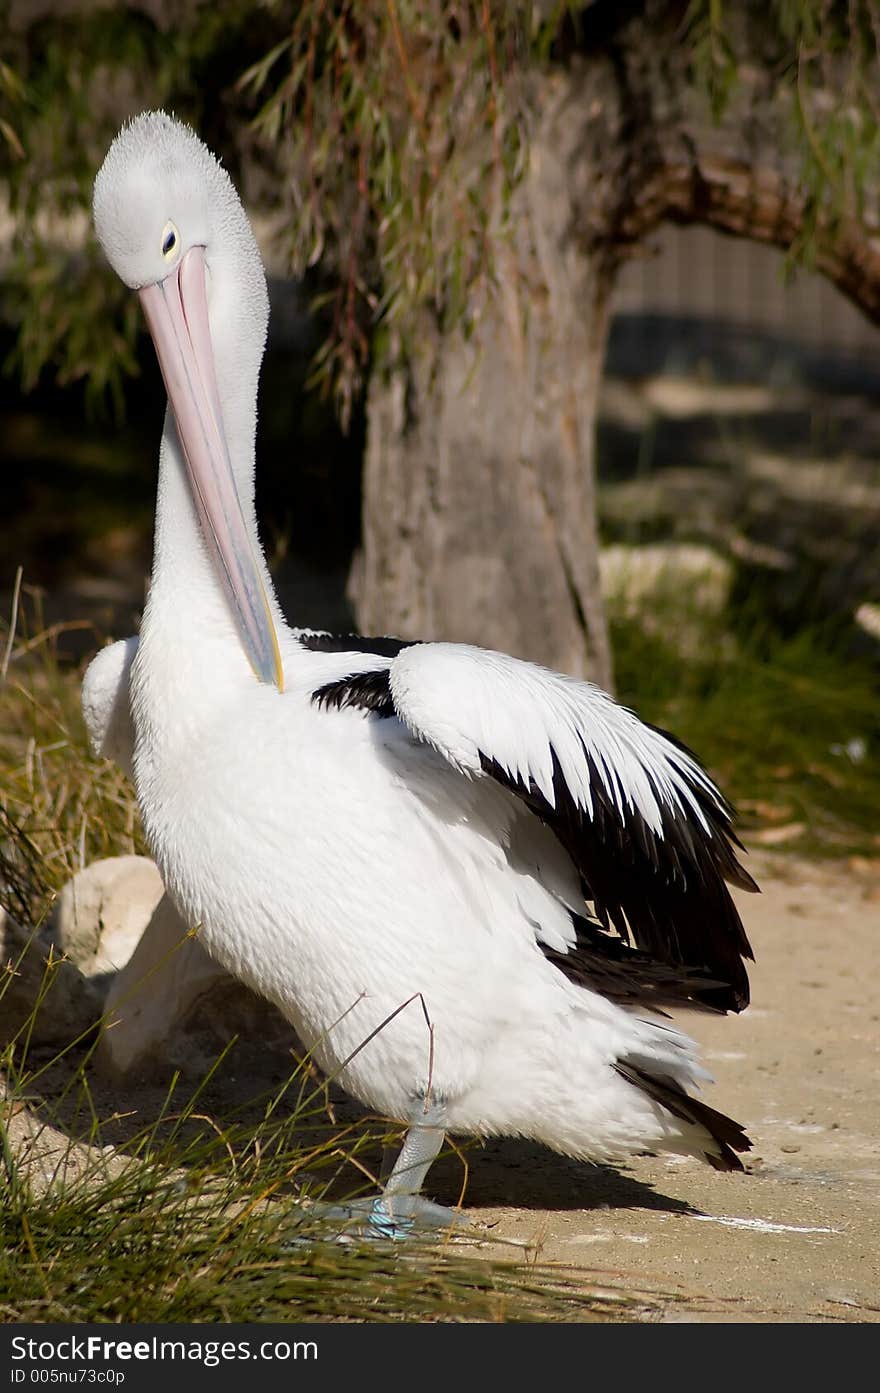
(170, 241)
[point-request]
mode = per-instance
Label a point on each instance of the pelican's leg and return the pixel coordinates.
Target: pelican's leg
(401, 1206)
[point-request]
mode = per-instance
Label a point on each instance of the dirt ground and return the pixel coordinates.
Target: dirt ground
(797, 1238)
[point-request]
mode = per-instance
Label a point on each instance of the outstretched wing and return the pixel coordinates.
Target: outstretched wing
(649, 833)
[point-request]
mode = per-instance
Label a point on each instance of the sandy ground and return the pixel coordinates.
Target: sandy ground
(797, 1238)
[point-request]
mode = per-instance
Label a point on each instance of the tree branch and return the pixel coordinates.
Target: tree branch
(738, 198)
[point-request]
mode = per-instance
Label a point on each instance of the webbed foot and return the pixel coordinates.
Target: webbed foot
(395, 1218)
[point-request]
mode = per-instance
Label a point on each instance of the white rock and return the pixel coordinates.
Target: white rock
(102, 912)
(683, 575)
(867, 616)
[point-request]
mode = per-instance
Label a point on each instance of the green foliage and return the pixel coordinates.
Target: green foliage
(11, 102)
(712, 58)
(385, 136)
(368, 118)
(382, 111)
(66, 84)
(62, 308)
(825, 57)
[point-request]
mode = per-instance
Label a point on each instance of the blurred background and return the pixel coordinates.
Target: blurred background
(672, 206)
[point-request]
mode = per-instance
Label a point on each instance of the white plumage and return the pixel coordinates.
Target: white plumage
(106, 703)
(377, 835)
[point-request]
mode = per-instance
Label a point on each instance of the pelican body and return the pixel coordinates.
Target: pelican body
(469, 882)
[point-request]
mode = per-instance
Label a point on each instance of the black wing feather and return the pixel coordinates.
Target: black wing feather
(604, 962)
(665, 896)
(383, 646)
(729, 1136)
(366, 691)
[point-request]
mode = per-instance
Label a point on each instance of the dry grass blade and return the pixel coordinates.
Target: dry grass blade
(60, 808)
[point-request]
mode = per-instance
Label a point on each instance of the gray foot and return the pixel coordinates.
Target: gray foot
(399, 1215)
(373, 1219)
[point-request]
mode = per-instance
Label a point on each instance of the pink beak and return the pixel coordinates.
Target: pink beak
(176, 310)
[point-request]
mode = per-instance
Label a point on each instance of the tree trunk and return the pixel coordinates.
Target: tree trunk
(479, 480)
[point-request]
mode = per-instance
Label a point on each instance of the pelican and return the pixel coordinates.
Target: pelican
(473, 885)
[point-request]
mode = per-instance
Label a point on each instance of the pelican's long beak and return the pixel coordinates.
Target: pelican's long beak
(177, 316)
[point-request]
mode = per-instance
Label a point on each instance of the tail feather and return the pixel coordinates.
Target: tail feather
(728, 1135)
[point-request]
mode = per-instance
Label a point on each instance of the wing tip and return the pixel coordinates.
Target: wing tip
(729, 1136)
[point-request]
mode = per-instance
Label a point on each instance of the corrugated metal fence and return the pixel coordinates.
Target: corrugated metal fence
(696, 273)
